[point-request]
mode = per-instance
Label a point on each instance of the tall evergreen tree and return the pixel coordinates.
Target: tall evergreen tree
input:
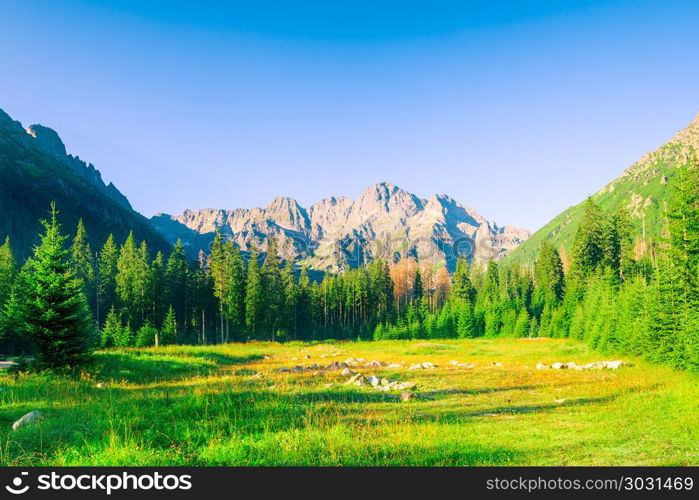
(106, 278)
(273, 289)
(8, 271)
(254, 295)
(83, 261)
(56, 317)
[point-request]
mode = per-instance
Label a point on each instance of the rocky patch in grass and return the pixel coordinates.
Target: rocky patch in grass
(597, 365)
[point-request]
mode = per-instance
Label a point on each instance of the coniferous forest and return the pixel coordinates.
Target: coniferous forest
(615, 290)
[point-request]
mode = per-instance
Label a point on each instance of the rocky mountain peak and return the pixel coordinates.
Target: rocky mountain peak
(47, 139)
(384, 222)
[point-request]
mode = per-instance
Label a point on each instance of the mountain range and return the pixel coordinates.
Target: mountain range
(642, 189)
(35, 170)
(334, 234)
(338, 233)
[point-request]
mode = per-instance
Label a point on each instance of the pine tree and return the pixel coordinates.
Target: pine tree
(548, 274)
(273, 294)
(8, 271)
(466, 328)
(106, 278)
(417, 285)
(588, 243)
(146, 336)
(56, 318)
(462, 288)
(254, 298)
(132, 280)
(82, 260)
(112, 328)
(168, 333)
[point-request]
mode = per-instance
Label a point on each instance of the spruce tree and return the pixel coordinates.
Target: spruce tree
(168, 333)
(273, 293)
(254, 298)
(8, 271)
(106, 278)
(82, 260)
(56, 318)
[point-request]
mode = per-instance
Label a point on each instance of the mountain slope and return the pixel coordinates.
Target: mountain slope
(36, 170)
(641, 189)
(338, 233)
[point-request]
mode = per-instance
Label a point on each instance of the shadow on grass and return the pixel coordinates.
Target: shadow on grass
(143, 366)
(474, 392)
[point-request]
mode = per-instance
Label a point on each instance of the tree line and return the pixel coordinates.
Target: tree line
(614, 291)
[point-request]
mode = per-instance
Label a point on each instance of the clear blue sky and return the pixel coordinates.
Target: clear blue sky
(518, 109)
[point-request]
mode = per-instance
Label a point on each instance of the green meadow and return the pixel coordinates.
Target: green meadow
(230, 405)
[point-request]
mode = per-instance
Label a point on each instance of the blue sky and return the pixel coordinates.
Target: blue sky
(518, 109)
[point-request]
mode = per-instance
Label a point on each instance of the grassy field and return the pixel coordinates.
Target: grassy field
(227, 405)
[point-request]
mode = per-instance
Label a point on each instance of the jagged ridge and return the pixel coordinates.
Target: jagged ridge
(338, 233)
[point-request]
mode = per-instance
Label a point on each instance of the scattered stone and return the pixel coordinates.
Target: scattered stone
(30, 418)
(346, 372)
(335, 366)
(495, 363)
(395, 365)
(558, 366)
(598, 365)
(613, 365)
(100, 385)
(373, 380)
(542, 366)
(357, 379)
(307, 356)
(562, 400)
(294, 359)
(406, 396)
(422, 366)
(328, 385)
(373, 364)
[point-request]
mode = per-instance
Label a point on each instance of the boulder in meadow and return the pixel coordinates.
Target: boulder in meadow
(30, 418)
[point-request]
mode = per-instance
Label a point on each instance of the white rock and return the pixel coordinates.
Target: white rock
(613, 365)
(346, 372)
(558, 366)
(395, 365)
(541, 366)
(373, 380)
(427, 364)
(29, 418)
(598, 365)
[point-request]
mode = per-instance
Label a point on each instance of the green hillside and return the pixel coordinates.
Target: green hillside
(35, 173)
(641, 189)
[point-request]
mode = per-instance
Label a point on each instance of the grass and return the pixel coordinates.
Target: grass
(206, 406)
